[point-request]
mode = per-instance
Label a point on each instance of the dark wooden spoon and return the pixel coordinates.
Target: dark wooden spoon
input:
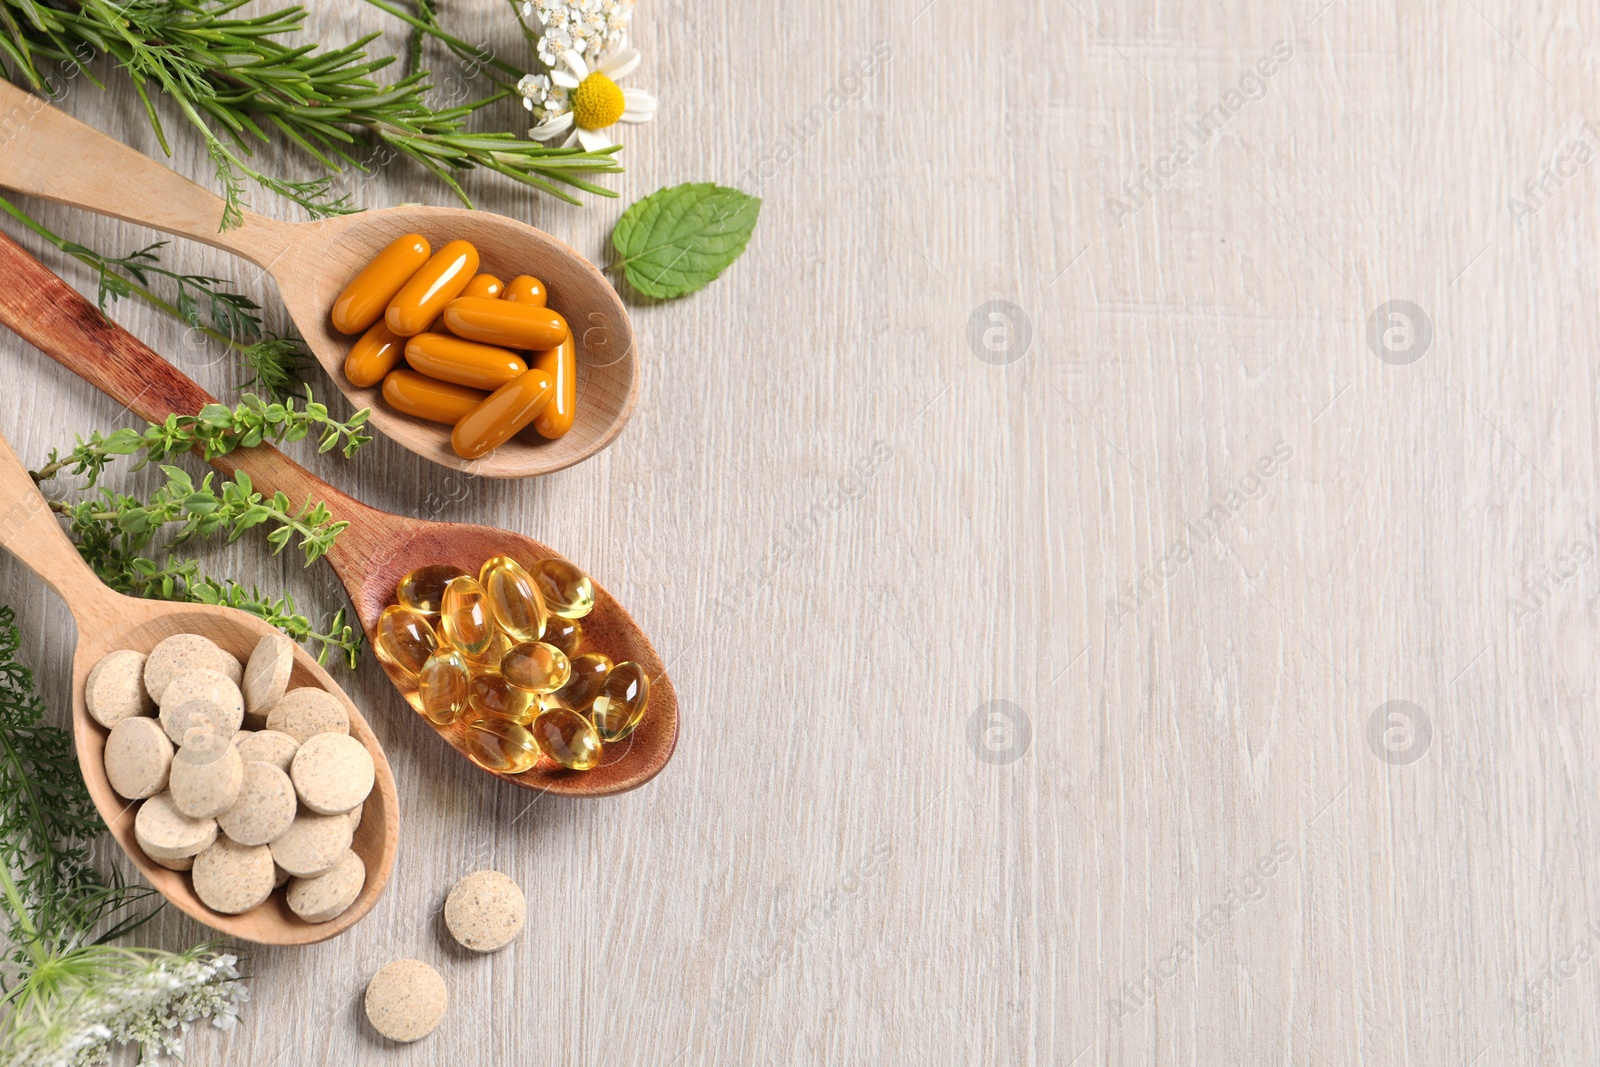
(377, 548)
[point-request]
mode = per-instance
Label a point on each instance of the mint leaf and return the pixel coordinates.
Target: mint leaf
(676, 241)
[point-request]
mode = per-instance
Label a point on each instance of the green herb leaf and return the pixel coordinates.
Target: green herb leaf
(677, 241)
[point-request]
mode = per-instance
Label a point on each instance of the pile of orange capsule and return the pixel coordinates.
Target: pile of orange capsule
(496, 660)
(484, 356)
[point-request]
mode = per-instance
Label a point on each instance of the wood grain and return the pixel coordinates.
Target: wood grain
(848, 535)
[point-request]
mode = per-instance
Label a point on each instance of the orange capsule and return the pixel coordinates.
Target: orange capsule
(485, 285)
(363, 301)
(450, 359)
(525, 289)
(505, 411)
(430, 289)
(561, 363)
(376, 354)
(509, 323)
(428, 398)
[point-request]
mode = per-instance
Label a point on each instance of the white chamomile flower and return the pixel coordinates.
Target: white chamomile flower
(593, 102)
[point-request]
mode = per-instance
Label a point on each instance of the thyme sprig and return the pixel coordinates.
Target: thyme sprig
(218, 430)
(119, 560)
(115, 531)
(275, 361)
(232, 507)
(238, 84)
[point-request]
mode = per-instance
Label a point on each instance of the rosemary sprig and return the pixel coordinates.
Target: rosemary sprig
(218, 430)
(275, 362)
(236, 82)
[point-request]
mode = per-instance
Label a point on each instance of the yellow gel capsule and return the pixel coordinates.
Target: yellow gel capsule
(504, 412)
(464, 615)
(499, 745)
(514, 599)
(565, 634)
(536, 667)
(561, 363)
(404, 639)
(375, 355)
(619, 706)
(432, 288)
(423, 589)
(450, 359)
(588, 671)
(511, 323)
(442, 687)
(526, 289)
(568, 738)
(363, 301)
(428, 398)
(485, 285)
(568, 592)
(490, 695)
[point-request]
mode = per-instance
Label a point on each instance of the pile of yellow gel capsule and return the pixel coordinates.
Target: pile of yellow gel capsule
(497, 657)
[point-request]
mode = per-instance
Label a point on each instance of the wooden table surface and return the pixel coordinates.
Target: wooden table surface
(1124, 537)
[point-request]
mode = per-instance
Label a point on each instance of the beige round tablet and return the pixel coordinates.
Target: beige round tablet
(114, 689)
(312, 843)
(485, 910)
(201, 686)
(138, 758)
(355, 816)
(165, 832)
(406, 1000)
(279, 875)
(183, 863)
(269, 746)
(265, 807)
(231, 878)
(325, 897)
(332, 773)
(182, 653)
(307, 711)
(206, 790)
(266, 676)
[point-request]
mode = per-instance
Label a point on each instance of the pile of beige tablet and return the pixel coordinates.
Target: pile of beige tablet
(246, 783)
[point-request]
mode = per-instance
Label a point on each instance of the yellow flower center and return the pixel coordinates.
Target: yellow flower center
(596, 102)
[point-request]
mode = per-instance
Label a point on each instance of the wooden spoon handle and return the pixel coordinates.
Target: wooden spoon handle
(30, 532)
(48, 153)
(51, 315)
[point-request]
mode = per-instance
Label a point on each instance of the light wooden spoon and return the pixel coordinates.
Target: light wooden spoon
(377, 548)
(47, 153)
(108, 621)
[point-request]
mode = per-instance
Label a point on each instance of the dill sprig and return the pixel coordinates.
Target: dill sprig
(238, 84)
(275, 362)
(67, 994)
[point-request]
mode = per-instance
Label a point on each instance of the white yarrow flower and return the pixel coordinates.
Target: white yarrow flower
(587, 27)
